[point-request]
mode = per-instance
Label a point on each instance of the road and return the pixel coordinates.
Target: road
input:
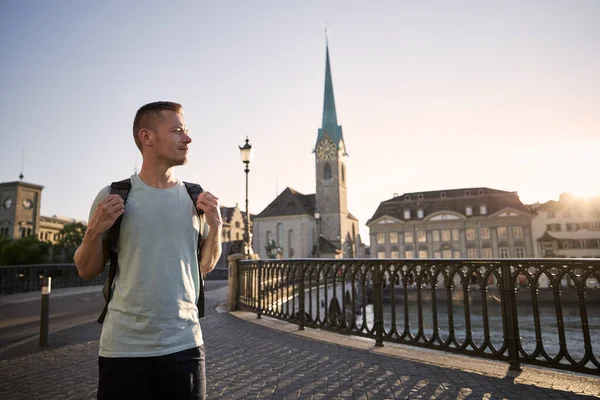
(20, 321)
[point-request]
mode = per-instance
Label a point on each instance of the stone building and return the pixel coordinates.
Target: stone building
(569, 227)
(458, 223)
(296, 225)
(20, 213)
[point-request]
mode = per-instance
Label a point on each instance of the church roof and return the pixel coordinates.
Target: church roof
(329, 125)
(290, 202)
(327, 247)
(455, 200)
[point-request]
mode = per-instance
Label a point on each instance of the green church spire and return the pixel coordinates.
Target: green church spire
(329, 114)
(330, 125)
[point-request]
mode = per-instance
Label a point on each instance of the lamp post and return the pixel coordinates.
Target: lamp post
(318, 219)
(246, 153)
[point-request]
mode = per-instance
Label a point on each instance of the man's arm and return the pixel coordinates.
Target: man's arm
(211, 248)
(210, 251)
(90, 258)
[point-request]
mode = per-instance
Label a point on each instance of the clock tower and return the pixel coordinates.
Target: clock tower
(336, 224)
(19, 209)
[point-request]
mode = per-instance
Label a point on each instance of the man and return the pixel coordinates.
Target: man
(151, 344)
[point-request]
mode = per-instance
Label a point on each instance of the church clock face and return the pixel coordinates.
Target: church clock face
(7, 203)
(326, 149)
(27, 204)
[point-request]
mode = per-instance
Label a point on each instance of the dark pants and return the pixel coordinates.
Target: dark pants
(180, 376)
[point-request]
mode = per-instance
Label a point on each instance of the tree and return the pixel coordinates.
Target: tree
(28, 250)
(71, 237)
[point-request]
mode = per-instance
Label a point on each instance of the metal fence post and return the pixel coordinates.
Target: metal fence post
(301, 305)
(509, 311)
(378, 304)
(259, 291)
(45, 316)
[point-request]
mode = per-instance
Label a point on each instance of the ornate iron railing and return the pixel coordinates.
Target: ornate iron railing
(544, 312)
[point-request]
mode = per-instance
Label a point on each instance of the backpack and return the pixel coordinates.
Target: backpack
(122, 188)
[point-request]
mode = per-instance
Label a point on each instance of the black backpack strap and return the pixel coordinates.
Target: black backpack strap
(112, 240)
(194, 190)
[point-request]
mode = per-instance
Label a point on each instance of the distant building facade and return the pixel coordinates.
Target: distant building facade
(569, 227)
(296, 225)
(20, 213)
(458, 223)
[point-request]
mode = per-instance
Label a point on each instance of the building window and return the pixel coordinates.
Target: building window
(469, 210)
(237, 224)
(456, 254)
(381, 238)
(420, 213)
(436, 235)
(503, 252)
(553, 227)
(482, 210)
(551, 214)
(237, 236)
(486, 252)
(420, 196)
(423, 254)
(407, 197)
(290, 243)
(517, 232)
(393, 237)
(395, 254)
(502, 232)
(520, 252)
(471, 253)
(269, 236)
(406, 214)
(484, 232)
(455, 235)
(445, 235)
(437, 254)
(470, 233)
(381, 254)
(343, 172)
(280, 234)
(408, 237)
(447, 254)
(409, 254)
(421, 236)
(327, 171)
(443, 195)
(573, 226)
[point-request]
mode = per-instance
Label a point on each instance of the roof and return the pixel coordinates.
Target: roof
(227, 214)
(454, 200)
(574, 235)
(21, 183)
(327, 247)
(290, 202)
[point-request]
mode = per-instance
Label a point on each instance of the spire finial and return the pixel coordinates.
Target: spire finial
(21, 176)
(326, 32)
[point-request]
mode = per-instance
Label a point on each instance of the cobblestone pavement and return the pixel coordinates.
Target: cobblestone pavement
(246, 361)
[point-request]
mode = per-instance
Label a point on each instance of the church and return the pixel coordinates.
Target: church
(318, 225)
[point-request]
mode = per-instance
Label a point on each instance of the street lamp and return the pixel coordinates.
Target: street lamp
(246, 153)
(318, 219)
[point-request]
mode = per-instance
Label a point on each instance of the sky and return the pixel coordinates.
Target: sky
(431, 95)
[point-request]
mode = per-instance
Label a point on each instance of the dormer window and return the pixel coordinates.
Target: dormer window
(467, 192)
(407, 197)
(481, 191)
(443, 195)
(482, 209)
(420, 213)
(406, 214)
(468, 211)
(420, 197)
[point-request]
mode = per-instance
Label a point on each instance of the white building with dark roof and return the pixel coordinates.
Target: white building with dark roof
(457, 223)
(569, 227)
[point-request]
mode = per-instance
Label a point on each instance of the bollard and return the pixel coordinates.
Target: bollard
(46, 288)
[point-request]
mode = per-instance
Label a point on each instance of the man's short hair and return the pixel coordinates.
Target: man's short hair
(148, 114)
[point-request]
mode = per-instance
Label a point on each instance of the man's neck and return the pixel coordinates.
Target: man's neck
(157, 176)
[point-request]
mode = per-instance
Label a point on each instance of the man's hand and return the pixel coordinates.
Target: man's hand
(106, 213)
(209, 204)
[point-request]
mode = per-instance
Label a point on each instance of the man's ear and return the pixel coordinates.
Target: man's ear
(146, 136)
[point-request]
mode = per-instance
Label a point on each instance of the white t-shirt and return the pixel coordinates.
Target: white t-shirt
(153, 309)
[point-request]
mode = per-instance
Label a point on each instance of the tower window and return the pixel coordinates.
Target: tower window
(343, 172)
(327, 171)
